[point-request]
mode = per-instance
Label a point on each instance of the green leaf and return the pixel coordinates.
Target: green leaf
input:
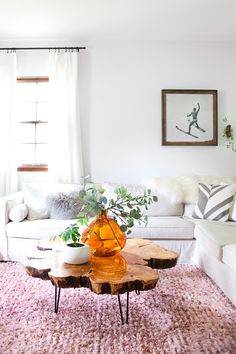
(130, 222)
(103, 200)
(123, 228)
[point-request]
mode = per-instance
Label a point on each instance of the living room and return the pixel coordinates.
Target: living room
(132, 54)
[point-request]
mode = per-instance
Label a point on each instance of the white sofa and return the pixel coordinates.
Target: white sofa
(166, 225)
(169, 225)
(215, 253)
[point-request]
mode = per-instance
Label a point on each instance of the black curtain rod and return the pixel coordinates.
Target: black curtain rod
(43, 48)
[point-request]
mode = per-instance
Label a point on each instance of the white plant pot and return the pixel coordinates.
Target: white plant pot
(76, 255)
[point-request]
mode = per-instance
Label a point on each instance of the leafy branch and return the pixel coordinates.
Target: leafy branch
(125, 208)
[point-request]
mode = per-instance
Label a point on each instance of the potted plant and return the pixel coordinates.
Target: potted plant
(74, 251)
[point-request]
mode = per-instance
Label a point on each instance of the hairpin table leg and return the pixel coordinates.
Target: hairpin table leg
(127, 308)
(57, 298)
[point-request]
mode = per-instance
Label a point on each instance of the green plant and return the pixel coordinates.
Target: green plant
(124, 208)
(71, 234)
(228, 134)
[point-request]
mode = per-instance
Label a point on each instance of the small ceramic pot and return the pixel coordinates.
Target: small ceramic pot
(76, 255)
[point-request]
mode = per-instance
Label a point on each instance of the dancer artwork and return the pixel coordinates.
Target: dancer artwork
(189, 117)
(193, 122)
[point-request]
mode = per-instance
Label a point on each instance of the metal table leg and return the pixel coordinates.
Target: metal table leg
(57, 298)
(127, 308)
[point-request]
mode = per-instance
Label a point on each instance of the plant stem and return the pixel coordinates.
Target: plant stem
(113, 232)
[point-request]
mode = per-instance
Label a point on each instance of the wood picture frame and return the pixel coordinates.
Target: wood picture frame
(189, 117)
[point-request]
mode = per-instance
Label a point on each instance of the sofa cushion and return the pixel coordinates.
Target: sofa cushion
(37, 229)
(157, 228)
(229, 256)
(164, 206)
(169, 227)
(64, 205)
(213, 236)
(214, 201)
(169, 187)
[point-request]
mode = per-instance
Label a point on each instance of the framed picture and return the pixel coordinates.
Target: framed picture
(189, 117)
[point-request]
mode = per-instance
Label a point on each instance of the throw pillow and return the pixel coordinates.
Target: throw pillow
(64, 206)
(18, 213)
(214, 201)
(232, 212)
(35, 199)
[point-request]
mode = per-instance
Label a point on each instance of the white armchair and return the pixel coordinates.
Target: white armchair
(7, 203)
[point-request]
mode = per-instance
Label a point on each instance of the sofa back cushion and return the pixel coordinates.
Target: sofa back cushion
(164, 206)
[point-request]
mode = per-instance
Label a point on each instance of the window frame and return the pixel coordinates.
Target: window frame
(32, 167)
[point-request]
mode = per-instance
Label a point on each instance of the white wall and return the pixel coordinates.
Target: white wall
(120, 99)
(121, 107)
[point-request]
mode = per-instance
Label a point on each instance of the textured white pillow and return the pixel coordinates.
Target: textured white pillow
(18, 213)
(64, 206)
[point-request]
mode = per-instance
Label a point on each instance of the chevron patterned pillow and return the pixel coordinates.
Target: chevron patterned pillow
(214, 201)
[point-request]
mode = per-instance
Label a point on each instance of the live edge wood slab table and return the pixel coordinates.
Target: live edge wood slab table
(133, 269)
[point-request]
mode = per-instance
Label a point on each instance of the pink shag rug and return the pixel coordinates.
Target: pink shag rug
(186, 313)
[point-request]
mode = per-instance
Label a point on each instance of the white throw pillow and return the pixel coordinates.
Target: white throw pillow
(214, 201)
(35, 199)
(18, 213)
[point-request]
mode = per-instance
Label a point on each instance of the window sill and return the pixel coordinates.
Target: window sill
(33, 168)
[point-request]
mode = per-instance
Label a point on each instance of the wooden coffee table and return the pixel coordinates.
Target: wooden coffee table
(133, 269)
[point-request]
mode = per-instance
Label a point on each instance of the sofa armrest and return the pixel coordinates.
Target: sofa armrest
(6, 203)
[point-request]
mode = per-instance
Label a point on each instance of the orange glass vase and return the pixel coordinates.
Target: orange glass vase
(104, 236)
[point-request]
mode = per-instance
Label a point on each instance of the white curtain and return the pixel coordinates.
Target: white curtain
(65, 150)
(8, 168)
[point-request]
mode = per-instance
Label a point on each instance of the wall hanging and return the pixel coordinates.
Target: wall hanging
(189, 117)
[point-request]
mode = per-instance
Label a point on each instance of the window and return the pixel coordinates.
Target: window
(32, 123)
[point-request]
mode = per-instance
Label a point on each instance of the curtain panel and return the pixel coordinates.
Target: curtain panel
(65, 148)
(8, 168)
